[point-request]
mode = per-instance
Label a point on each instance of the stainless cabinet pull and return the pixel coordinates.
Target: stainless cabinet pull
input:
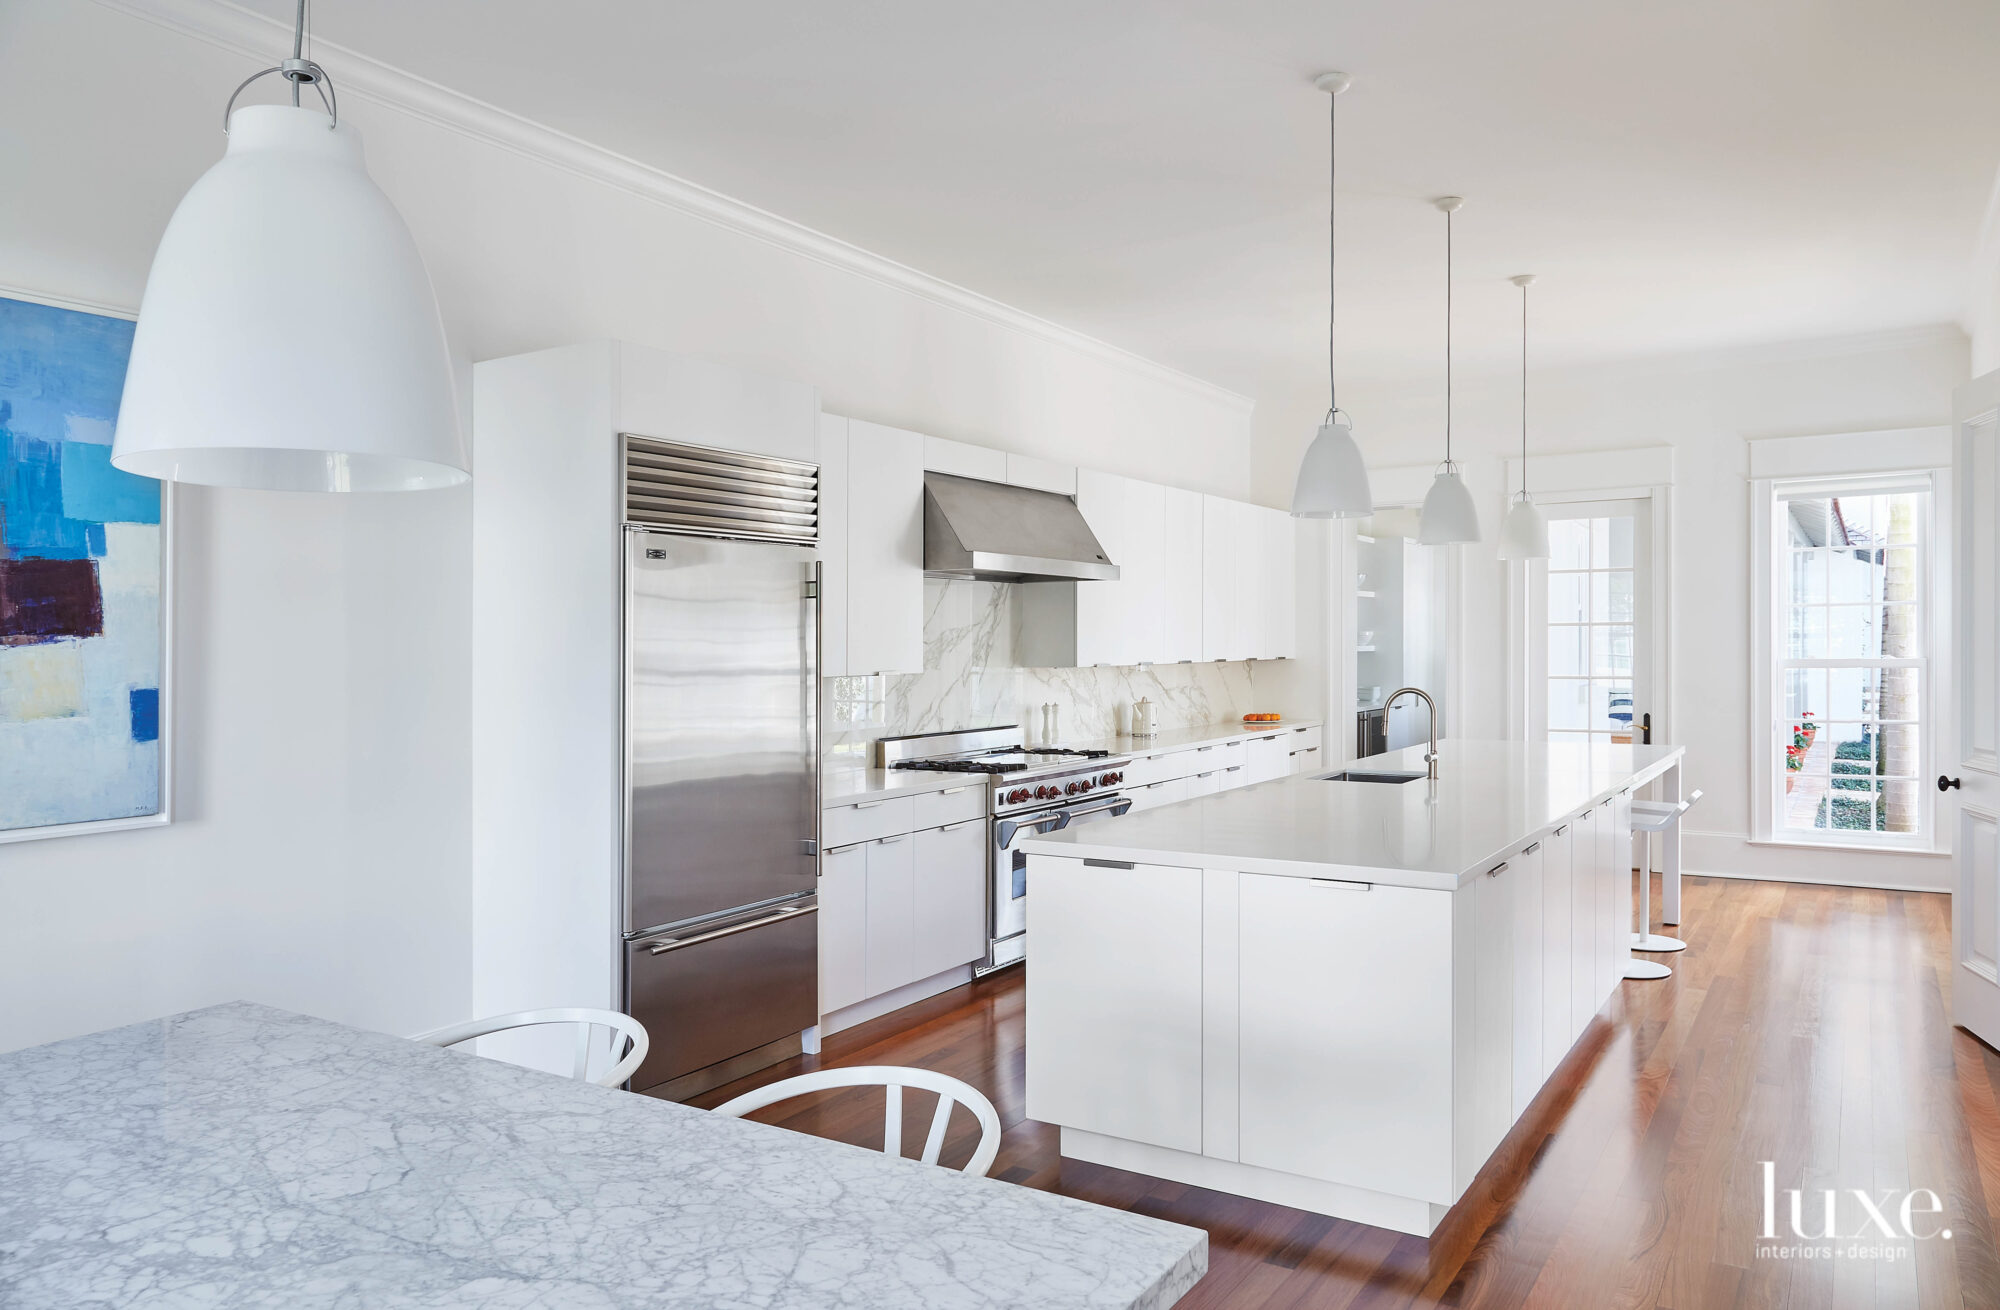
(1199, 749)
(869, 805)
(890, 841)
(661, 949)
(954, 827)
(1107, 864)
(953, 791)
(1234, 768)
(1531, 848)
(1342, 884)
(1497, 869)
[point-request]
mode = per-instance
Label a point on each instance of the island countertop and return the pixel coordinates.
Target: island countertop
(1489, 797)
(245, 1156)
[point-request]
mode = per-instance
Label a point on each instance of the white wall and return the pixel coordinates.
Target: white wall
(1706, 407)
(323, 858)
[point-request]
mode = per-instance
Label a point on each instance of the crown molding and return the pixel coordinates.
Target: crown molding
(239, 31)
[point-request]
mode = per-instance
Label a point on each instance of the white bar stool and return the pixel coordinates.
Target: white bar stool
(1662, 817)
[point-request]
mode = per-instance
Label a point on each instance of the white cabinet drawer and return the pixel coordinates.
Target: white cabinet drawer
(1144, 771)
(1305, 759)
(843, 825)
(1204, 784)
(935, 809)
(1306, 738)
(843, 928)
(891, 911)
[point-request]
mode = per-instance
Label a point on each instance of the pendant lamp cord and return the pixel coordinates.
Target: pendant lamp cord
(1524, 388)
(1447, 339)
(298, 47)
(1332, 245)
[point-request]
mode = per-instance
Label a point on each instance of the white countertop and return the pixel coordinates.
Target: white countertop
(245, 1156)
(843, 782)
(1490, 798)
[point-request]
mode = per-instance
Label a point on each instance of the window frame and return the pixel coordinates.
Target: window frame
(1772, 661)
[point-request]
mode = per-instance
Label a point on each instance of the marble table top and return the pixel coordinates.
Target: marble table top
(246, 1156)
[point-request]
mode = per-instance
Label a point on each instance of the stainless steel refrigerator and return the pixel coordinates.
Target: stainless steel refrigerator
(721, 803)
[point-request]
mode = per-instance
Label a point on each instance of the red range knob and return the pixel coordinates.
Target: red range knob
(1044, 793)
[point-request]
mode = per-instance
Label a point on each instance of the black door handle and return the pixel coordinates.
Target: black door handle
(1646, 729)
(1946, 784)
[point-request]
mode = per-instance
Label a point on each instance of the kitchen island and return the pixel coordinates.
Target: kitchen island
(245, 1156)
(1333, 995)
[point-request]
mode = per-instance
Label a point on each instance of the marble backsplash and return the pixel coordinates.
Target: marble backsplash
(971, 679)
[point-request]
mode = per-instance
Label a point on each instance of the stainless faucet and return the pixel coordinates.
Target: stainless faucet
(1431, 755)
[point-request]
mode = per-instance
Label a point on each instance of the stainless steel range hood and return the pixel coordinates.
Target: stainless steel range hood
(998, 533)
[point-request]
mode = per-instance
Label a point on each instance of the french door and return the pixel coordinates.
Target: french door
(1590, 625)
(1974, 777)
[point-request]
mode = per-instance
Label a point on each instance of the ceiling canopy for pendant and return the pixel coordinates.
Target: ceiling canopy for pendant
(1525, 533)
(289, 338)
(1333, 481)
(1448, 515)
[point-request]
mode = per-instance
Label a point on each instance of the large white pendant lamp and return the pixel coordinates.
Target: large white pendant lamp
(289, 338)
(1333, 482)
(1525, 534)
(1448, 515)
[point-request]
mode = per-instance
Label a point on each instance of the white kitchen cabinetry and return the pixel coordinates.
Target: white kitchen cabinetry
(1249, 581)
(1373, 1081)
(1280, 627)
(1180, 588)
(1152, 795)
(1524, 872)
(1247, 560)
(1043, 475)
(885, 550)
(1268, 757)
(1205, 783)
(965, 461)
(892, 921)
(1491, 1106)
(1306, 759)
(1135, 1000)
(949, 897)
(843, 928)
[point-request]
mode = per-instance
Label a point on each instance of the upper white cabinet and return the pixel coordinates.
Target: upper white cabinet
(1042, 474)
(965, 461)
(833, 506)
(1119, 622)
(884, 580)
(1181, 576)
(1278, 631)
(1222, 636)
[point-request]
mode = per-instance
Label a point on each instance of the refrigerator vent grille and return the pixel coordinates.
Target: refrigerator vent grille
(719, 493)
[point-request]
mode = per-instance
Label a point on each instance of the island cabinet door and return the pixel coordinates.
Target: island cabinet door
(1558, 1015)
(1526, 871)
(1114, 1000)
(1345, 1033)
(1586, 877)
(1491, 1109)
(1618, 886)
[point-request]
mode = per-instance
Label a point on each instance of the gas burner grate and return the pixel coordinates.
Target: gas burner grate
(958, 766)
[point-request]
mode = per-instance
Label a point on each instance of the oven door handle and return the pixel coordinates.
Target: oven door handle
(1114, 807)
(1004, 833)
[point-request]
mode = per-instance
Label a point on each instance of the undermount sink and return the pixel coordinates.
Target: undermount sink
(1364, 775)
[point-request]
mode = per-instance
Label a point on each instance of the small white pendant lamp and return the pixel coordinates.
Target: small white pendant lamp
(289, 338)
(1525, 534)
(1333, 482)
(1448, 515)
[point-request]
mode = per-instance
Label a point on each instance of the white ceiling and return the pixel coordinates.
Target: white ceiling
(1683, 175)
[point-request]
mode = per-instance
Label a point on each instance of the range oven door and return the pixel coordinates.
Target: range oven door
(1007, 872)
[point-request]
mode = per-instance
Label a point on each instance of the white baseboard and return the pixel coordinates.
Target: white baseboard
(908, 994)
(1884, 886)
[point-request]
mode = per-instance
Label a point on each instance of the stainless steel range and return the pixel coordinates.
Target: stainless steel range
(1040, 790)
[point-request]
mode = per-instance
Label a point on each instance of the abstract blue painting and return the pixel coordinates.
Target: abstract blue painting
(82, 624)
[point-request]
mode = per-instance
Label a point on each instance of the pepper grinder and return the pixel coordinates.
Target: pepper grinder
(1051, 727)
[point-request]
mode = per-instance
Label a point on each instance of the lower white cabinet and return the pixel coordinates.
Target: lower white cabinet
(1305, 759)
(1155, 794)
(1331, 1088)
(892, 919)
(1583, 997)
(1204, 784)
(843, 928)
(949, 897)
(900, 907)
(1524, 871)
(1491, 1106)
(1132, 1000)
(1268, 757)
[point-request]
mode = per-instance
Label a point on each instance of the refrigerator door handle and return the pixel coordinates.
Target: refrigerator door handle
(675, 943)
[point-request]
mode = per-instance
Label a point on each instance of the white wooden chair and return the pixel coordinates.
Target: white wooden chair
(892, 1079)
(626, 1033)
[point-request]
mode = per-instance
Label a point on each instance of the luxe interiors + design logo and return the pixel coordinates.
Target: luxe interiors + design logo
(1852, 1223)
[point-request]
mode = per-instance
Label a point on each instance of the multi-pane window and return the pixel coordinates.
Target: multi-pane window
(1590, 629)
(1850, 737)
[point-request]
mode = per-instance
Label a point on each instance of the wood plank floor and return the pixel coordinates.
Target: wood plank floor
(1804, 1025)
